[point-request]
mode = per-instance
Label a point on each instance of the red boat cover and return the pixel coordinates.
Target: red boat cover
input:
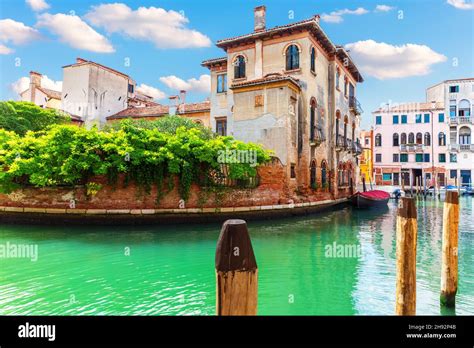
(375, 194)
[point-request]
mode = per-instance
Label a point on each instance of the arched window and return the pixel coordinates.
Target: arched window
(292, 57)
(313, 59)
(312, 119)
(403, 138)
(464, 135)
(312, 174)
(419, 138)
(346, 120)
(353, 131)
(427, 139)
(324, 173)
(411, 138)
(464, 108)
(338, 117)
(378, 139)
(338, 77)
(396, 139)
(239, 67)
(441, 139)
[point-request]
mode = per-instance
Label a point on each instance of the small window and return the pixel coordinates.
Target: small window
(221, 83)
(441, 139)
(395, 119)
(404, 119)
(338, 77)
(396, 158)
(313, 59)
(453, 89)
(387, 177)
(396, 139)
(453, 158)
(404, 157)
(426, 157)
(239, 67)
(419, 157)
(293, 171)
(442, 158)
(378, 140)
(378, 119)
(221, 126)
(378, 157)
(441, 118)
(453, 173)
(292, 58)
(418, 118)
(131, 88)
(427, 118)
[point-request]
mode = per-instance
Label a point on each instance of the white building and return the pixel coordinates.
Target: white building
(458, 98)
(93, 91)
(416, 140)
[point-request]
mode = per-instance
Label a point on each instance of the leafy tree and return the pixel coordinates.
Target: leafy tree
(20, 117)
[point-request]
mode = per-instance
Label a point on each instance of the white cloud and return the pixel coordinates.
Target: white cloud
(336, 16)
(383, 8)
(153, 92)
(38, 5)
(73, 31)
(5, 50)
(23, 83)
(16, 33)
(166, 29)
(461, 4)
(203, 84)
(385, 61)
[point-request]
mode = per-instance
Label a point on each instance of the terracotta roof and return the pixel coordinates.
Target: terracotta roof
(213, 61)
(194, 107)
(311, 24)
(138, 112)
(274, 77)
(75, 118)
(409, 107)
(86, 62)
(50, 93)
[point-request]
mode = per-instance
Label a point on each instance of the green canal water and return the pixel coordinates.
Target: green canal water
(170, 270)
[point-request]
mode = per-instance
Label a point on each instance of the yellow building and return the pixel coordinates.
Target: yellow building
(366, 162)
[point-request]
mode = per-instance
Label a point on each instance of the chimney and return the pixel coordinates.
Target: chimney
(80, 60)
(35, 81)
(174, 101)
(182, 100)
(316, 18)
(259, 15)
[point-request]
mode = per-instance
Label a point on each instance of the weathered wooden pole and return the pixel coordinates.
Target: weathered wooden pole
(406, 257)
(403, 182)
(236, 271)
(363, 184)
(449, 266)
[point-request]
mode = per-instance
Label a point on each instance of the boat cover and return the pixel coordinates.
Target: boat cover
(375, 194)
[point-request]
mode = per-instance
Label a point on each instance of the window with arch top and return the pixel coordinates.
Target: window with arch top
(239, 67)
(313, 59)
(292, 57)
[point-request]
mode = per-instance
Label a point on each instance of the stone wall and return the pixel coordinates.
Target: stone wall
(274, 189)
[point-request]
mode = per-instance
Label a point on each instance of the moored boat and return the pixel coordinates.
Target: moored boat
(368, 199)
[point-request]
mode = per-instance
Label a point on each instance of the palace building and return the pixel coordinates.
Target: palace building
(292, 90)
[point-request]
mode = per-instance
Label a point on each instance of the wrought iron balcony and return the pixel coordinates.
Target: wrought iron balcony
(354, 105)
(411, 148)
(341, 143)
(461, 120)
(316, 136)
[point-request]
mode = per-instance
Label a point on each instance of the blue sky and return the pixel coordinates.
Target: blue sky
(401, 47)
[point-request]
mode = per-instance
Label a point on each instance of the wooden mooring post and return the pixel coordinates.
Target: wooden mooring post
(449, 265)
(236, 271)
(406, 257)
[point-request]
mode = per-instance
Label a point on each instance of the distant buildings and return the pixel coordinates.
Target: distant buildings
(366, 161)
(429, 141)
(294, 91)
(93, 94)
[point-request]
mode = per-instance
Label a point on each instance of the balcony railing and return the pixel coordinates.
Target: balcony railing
(461, 147)
(341, 143)
(461, 120)
(354, 105)
(411, 148)
(316, 137)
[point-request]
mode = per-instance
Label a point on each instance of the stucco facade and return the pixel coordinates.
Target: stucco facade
(278, 87)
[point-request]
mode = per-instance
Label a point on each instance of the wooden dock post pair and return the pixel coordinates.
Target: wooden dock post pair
(407, 230)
